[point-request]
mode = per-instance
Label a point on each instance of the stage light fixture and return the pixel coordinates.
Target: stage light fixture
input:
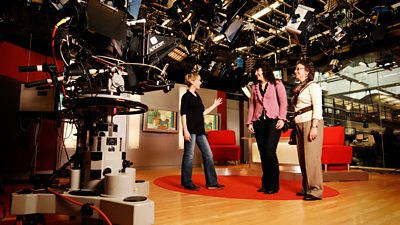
(260, 39)
(301, 24)
(339, 33)
(165, 22)
(185, 13)
(240, 34)
(233, 30)
(158, 47)
(336, 65)
(179, 53)
(218, 38)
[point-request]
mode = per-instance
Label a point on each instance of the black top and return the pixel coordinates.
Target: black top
(193, 108)
(261, 89)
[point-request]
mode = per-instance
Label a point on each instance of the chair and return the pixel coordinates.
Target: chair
(223, 145)
(335, 155)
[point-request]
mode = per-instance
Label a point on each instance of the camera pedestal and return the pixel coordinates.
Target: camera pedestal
(101, 177)
(117, 210)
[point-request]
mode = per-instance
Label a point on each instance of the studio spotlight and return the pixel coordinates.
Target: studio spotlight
(158, 47)
(179, 53)
(301, 24)
(187, 16)
(240, 34)
(339, 33)
(336, 65)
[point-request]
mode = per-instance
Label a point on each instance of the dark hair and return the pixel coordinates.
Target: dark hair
(268, 73)
(309, 66)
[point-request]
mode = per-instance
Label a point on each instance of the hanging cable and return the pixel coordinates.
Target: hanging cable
(58, 70)
(81, 204)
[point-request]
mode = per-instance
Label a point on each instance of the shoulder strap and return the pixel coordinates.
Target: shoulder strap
(277, 98)
(276, 91)
(308, 84)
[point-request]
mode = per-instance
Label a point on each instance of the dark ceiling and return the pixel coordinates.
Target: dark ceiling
(368, 26)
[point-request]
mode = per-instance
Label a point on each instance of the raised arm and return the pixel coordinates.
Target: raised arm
(217, 102)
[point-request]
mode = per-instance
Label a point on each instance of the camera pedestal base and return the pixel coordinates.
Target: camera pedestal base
(116, 209)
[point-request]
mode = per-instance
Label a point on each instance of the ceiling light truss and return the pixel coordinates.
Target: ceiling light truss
(261, 21)
(266, 10)
(324, 33)
(312, 38)
(270, 46)
(274, 29)
(287, 48)
(260, 3)
(263, 46)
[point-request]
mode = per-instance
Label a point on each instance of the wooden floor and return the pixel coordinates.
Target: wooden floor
(375, 202)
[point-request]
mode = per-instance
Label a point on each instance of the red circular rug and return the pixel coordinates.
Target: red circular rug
(240, 187)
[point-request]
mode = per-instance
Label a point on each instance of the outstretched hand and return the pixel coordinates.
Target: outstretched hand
(217, 102)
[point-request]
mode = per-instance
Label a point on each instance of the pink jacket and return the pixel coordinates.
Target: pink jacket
(270, 102)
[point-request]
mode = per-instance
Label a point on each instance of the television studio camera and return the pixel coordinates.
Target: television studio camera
(106, 58)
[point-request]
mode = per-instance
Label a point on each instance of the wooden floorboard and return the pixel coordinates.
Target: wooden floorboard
(293, 173)
(375, 201)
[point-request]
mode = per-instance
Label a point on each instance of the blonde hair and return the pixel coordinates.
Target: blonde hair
(191, 77)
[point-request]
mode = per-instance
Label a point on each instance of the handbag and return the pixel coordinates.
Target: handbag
(285, 127)
(292, 139)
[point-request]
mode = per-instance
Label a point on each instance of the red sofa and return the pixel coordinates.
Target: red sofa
(223, 145)
(335, 155)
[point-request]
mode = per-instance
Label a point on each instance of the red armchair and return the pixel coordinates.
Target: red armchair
(335, 155)
(223, 145)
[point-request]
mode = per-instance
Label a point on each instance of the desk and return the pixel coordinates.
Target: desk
(287, 154)
(289, 164)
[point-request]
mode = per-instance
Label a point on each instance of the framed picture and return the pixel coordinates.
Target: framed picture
(211, 122)
(158, 120)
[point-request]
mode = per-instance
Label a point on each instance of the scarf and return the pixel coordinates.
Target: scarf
(296, 91)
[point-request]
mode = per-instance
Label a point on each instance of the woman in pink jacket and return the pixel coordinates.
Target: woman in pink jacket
(266, 117)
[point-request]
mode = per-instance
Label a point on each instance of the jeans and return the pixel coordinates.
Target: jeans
(187, 161)
(267, 137)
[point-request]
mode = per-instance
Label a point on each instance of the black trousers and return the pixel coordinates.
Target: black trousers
(267, 137)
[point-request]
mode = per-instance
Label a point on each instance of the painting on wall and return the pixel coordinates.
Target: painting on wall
(211, 122)
(157, 120)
